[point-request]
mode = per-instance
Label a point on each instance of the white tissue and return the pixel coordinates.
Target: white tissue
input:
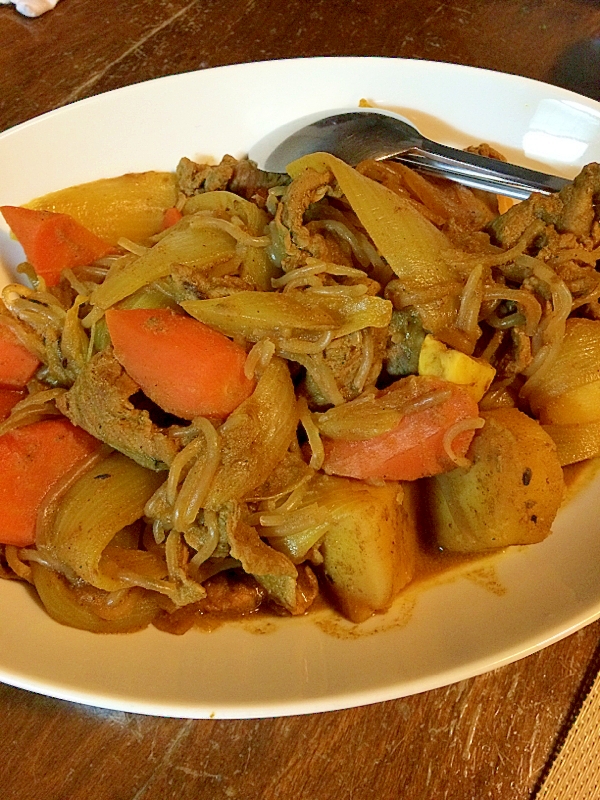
(31, 8)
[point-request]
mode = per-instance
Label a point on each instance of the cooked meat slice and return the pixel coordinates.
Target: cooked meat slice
(516, 354)
(231, 595)
(298, 240)
(592, 309)
(346, 358)
(240, 177)
(256, 557)
(578, 213)
(188, 283)
(253, 183)
(507, 229)
(228, 596)
(571, 211)
(99, 403)
(581, 280)
(486, 150)
(194, 178)
(291, 471)
(443, 202)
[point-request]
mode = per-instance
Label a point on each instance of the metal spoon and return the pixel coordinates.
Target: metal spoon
(356, 135)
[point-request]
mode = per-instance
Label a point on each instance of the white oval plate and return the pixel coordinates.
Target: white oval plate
(455, 629)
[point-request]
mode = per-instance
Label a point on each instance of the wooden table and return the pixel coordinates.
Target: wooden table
(488, 737)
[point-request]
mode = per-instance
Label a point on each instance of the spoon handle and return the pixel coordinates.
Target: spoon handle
(479, 172)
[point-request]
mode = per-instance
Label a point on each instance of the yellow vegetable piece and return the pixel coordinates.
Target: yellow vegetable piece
(256, 265)
(440, 361)
(107, 498)
(414, 248)
(369, 550)
(255, 437)
(229, 205)
(130, 206)
(62, 601)
(509, 495)
(569, 392)
(578, 405)
(255, 315)
(186, 243)
(575, 442)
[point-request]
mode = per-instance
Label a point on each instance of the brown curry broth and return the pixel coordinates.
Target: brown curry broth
(433, 566)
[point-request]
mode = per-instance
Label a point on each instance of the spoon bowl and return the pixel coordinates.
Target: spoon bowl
(356, 135)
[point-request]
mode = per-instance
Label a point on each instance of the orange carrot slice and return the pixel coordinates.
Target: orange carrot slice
(413, 449)
(53, 242)
(171, 216)
(17, 363)
(182, 365)
(32, 459)
(8, 399)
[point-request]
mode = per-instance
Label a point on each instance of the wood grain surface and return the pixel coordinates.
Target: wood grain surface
(488, 737)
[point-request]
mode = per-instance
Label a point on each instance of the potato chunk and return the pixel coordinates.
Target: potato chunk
(131, 205)
(369, 550)
(510, 494)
